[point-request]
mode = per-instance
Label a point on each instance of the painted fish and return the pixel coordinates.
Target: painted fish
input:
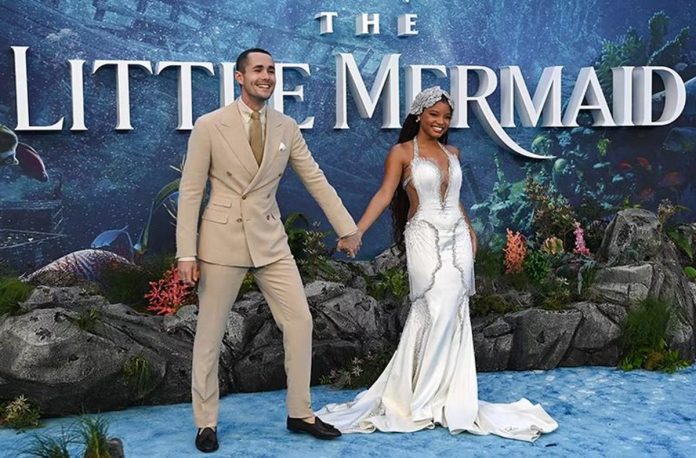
(167, 191)
(672, 179)
(644, 162)
(624, 166)
(30, 162)
(647, 194)
(8, 145)
(115, 240)
(681, 140)
(76, 266)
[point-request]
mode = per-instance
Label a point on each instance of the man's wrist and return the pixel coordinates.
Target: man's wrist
(347, 235)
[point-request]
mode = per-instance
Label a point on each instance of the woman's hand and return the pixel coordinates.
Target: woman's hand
(350, 244)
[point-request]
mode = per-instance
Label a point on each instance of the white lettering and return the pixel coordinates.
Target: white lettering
(22, 91)
(297, 93)
(366, 24)
(406, 25)
(326, 21)
(185, 98)
(386, 86)
(122, 87)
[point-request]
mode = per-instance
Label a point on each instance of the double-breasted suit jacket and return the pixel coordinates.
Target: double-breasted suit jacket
(241, 226)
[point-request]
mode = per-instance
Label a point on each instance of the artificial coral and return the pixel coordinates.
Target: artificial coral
(580, 247)
(515, 252)
(167, 295)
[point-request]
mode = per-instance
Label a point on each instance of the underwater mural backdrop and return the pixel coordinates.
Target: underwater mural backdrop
(91, 145)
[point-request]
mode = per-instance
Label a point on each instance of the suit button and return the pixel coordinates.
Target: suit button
(244, 197)
(280, 174)
(229, 174)
(239, 220)
(268, 217)
(268, 196)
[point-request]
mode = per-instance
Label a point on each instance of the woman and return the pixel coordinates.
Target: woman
(431, 378)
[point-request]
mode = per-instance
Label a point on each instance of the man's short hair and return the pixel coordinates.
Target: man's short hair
(244, 57)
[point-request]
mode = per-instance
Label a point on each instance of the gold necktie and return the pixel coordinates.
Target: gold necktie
(255, 138)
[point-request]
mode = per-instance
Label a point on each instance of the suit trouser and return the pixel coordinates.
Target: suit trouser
(281, 285)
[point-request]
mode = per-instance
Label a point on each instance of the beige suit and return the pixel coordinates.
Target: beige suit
(241, 228)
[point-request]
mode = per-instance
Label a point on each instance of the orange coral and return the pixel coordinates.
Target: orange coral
(515, 252)
(167, 295)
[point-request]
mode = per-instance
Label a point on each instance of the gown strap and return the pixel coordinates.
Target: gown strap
(445, 150)
(416, 150)
(416, 155)
(407, 181)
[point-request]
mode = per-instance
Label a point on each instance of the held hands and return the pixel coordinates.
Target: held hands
(350, 244)
(189, 272)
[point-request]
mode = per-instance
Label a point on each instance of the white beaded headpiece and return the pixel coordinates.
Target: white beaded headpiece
(428, 98)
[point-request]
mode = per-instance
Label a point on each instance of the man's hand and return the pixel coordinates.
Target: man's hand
(188, 272)
(350, 244)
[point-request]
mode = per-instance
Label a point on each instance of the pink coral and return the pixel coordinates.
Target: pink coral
(580, 247)
(167, 295)
(515, 252)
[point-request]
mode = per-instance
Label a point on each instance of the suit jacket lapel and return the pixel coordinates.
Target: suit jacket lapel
(274, 121)
(231, 128)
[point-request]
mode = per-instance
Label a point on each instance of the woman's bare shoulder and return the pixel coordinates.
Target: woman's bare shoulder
(452, 149)
(403, 152)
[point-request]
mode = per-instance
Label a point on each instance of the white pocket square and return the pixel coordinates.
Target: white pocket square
(282, 147)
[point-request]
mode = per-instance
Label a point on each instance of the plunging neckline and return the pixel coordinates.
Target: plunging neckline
(441, 173)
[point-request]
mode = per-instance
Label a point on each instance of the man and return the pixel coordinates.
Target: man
(243, 150)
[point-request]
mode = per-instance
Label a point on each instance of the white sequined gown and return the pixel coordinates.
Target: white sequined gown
(431, 378)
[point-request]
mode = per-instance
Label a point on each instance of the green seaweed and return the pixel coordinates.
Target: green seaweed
(670, 54)
(629, 50)
(390, 284)
(87, 319)
(12, 292)
(603, 146)
(587, 275)
(164, 193)
(553, 215)
(537, 266)
(138, 374)
(45, 446)
(489, 261)
(486, 304)
(658, 30)
(555, 294)
(20, 413)
(306, 243)
(690, 273)
(683, 241)
(506, 206)
(129, 284)
(94, 432)
(644, 338)
(248, 284)
(296, 234)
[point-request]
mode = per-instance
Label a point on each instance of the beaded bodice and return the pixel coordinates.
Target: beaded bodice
(428, 179)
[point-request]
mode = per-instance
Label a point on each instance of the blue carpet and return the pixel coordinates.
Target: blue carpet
(601, 412)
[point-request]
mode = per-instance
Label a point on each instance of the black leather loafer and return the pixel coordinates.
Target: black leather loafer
(327, 426)
(206, 440)
(319, 429)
